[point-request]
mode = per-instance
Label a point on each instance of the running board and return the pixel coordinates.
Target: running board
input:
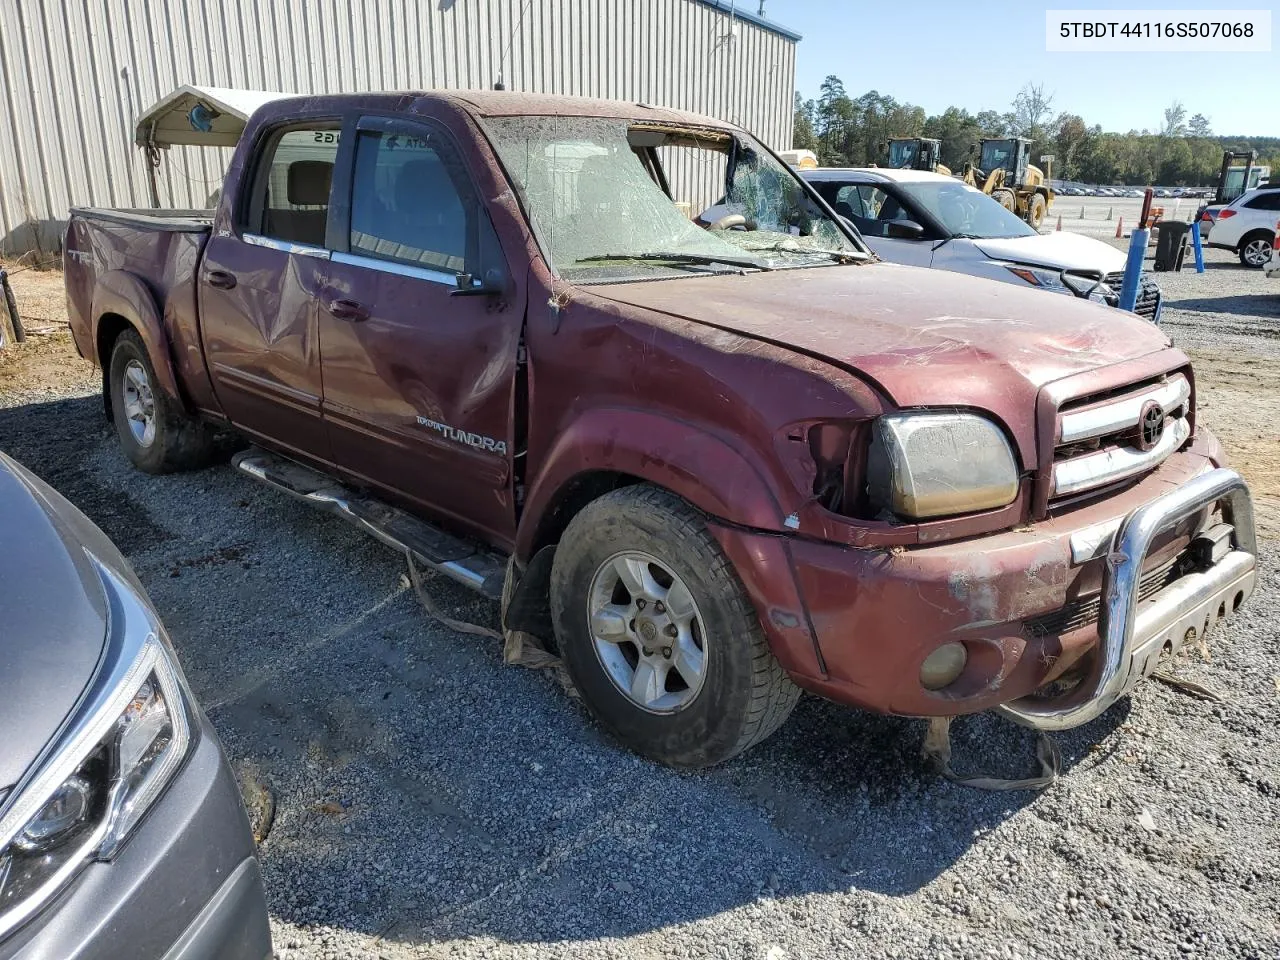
(459, 559)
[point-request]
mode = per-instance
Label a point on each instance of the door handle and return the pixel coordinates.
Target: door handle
(348, 310)
(221, 279)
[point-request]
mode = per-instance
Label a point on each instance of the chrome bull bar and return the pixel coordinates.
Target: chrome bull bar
(1130, 640)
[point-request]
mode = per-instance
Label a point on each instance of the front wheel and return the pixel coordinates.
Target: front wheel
(1035, 211)
(154, 432)
(1255, 250)
(659, 635)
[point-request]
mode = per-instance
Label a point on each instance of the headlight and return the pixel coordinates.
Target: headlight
(1046, 279)
(121, 748)
(938, 464)
(1077, 285)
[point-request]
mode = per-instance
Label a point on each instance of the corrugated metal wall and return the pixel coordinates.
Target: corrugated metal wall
(73, 76)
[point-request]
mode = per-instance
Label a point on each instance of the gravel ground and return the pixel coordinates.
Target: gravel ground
(432, 803)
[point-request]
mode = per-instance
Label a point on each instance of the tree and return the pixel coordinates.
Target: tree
(992, 124)
(1032, 108)
(1175, 116)
(803, 136)
(1068, 144)
(848, 131)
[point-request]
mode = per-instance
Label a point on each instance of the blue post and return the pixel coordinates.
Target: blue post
(1133, 268)
(1197, 246)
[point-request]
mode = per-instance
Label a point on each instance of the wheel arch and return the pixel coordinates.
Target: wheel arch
(597, 453)
(1256, 233)
(122, 301)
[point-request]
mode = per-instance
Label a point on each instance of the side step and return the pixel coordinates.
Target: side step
(466, 562)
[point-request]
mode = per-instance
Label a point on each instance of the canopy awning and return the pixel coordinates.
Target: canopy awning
(200, 116)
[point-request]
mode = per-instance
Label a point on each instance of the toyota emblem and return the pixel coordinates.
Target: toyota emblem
(1150, 425)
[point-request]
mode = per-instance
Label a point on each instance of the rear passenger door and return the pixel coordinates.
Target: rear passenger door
(419, 370)
(258, 285)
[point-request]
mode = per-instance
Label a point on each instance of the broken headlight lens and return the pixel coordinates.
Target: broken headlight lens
(925, 465)
(118, 754)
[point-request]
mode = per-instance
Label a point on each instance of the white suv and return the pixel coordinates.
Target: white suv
(1246, 225)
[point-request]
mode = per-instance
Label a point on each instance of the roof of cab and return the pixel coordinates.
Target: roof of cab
(505, 103)
(876, 173)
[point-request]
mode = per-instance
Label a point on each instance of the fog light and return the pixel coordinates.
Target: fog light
(943, 665)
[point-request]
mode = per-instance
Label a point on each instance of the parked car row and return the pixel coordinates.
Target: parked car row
(1081, 190)
(710, 462)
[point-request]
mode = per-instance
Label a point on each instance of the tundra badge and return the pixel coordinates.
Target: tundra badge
(475, 440)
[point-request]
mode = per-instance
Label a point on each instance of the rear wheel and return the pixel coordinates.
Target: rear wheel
(659, 635)
(154, 432)
(1255, 249)
(1035, 211)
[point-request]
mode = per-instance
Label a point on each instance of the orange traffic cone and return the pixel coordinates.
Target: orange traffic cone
(1059, 230)
(1120, 228)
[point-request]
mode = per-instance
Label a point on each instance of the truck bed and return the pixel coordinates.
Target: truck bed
(139, 263)
(149, 218)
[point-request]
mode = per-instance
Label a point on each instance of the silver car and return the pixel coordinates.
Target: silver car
(122, 832)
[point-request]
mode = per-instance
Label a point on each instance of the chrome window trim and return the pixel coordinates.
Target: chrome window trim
(399, 269)
(301, 249)
(1116, 463)
(1122, 413)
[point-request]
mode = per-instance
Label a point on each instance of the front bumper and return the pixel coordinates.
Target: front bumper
(186, 884)
(1133, 633)
(856, 625)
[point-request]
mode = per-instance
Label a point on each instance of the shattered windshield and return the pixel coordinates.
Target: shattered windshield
(622, 199)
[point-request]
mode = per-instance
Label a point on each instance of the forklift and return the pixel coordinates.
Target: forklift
(1235, 179)
(1004, 172)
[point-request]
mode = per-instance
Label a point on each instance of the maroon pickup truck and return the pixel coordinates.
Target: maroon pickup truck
(710, 463)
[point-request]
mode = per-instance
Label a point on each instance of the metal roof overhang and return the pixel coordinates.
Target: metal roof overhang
(200, 116)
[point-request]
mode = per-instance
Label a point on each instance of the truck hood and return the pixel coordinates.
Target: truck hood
(1058, 251)
(53, 614)
(924, 337)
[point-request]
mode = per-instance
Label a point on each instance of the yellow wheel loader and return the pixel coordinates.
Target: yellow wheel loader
(1005, 172)
(916, 153)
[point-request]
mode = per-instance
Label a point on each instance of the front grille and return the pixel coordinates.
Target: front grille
(1148, 293)
(1102, 441)
(1081, 613)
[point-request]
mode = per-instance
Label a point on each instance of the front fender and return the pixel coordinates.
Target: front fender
(678, 456)
(124, 294)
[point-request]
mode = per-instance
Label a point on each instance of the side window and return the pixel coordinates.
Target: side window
(291, 192)
(870, 208)
(848, 202)
(411, 202)
(1265, 201)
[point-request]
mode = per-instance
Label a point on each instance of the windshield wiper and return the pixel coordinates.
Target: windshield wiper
(841, 256)
(701, 259)
(955, 236)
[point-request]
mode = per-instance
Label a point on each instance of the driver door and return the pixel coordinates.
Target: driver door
(873, 210)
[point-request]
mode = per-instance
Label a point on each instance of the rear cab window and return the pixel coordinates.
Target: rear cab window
(289, 199)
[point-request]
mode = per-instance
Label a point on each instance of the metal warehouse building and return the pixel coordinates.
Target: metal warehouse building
(74, 76)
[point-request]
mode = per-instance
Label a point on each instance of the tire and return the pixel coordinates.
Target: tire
(155, 434)
(1035, 211)
(692, 719)
(1255, 249)
(1005, 198)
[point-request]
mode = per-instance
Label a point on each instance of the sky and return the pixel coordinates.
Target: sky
(978, 55)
